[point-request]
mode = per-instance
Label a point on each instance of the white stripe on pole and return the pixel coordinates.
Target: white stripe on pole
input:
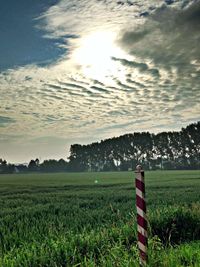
(141, 212)
(142, 231)
(139, 193)
(142, 247)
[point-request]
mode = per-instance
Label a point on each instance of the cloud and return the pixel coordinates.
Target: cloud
(169, 38)
(65, 17)
(99, 89)
(151, 84)
(4, 121)
(143, 67)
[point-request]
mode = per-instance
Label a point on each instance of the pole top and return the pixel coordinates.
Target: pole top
(138, 168)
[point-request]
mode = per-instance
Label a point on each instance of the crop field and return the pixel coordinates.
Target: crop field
(88, 219)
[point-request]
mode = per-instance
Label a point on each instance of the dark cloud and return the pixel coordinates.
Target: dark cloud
(99, 89)
(144, 14)
(125, 3)
(98, 82)
(125, 87)
(142, 67)
(132, 37)
(137, 84)
(125, 62)
(72, 85)
(53, 86)
(169, 2)
(4, 121)
(170, 37)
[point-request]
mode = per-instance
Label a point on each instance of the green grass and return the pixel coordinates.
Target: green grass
(68, 220)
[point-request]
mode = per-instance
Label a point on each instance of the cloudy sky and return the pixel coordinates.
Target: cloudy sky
(78, 71)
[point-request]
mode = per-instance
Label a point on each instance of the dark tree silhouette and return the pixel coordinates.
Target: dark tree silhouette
(6, 168)
(33, 165)
(166, 150)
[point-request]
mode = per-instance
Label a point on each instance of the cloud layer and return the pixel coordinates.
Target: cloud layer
(153, 85)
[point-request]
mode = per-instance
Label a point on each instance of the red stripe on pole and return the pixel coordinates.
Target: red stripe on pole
(142, 239)
(140, 203)
(143, 255)
(140, 185)
(142, 222)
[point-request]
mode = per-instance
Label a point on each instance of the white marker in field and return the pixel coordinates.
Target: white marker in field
(141, 215)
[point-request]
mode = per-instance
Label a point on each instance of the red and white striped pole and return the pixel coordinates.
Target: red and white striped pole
(141, 215)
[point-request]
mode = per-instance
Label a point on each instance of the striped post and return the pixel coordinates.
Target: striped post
(141, 215)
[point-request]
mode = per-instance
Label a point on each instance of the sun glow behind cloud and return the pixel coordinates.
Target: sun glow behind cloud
(94, 56)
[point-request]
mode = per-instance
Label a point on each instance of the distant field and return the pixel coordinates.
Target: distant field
(88, 219)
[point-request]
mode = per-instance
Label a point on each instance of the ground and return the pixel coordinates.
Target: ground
(88, 219)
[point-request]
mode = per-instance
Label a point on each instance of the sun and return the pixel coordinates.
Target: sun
(94, 55)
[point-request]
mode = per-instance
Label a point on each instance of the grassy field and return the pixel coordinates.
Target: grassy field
(88, 219)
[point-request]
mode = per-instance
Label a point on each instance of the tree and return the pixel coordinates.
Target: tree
(166, 150)
(6, 168)
(33, 165)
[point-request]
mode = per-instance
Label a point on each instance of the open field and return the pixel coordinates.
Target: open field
(68, 219)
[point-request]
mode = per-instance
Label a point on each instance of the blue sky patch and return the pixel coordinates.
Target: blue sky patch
(21, 41)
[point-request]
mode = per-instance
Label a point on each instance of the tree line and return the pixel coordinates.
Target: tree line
(167, 150)
(50, 165)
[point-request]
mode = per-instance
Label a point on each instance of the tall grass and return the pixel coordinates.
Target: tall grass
(69, 220)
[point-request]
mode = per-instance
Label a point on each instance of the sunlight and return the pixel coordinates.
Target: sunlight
(95, 53)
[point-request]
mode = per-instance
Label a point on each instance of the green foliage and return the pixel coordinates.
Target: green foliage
(166, 150)
(5, 167)
(177, 224)
(62, 219)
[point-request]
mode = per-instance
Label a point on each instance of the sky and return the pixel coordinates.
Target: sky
(79, 71)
